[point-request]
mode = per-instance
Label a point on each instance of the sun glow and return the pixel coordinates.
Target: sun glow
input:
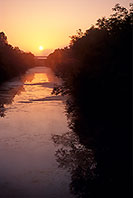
(41, 48)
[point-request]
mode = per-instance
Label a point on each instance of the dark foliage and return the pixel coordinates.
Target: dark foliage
(96, 76)
(13, 61)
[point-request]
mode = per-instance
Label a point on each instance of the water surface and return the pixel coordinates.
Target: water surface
(29, 117)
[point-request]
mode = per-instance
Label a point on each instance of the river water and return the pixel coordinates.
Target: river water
(29, 117)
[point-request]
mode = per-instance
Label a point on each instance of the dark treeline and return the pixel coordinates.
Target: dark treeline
(13, 61)
(96, 76)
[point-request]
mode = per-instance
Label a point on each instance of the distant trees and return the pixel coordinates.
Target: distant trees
(13, 61)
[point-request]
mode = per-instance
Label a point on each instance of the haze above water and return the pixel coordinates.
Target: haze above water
(29, 116)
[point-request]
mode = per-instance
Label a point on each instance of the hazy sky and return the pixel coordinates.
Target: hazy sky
(29, 24)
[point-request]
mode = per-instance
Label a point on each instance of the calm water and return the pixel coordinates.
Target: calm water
(40, 157)
(29, 117)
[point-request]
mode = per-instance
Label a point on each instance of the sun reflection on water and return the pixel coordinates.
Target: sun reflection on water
(38, 78)
(36, 86)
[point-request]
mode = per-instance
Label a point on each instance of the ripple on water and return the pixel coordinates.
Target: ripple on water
(29, 117)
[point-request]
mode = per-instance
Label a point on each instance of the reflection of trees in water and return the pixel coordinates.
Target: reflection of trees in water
(7, 96)
(28, 77)
(78, 160)
(2, 110)
(97, 154)
(51, 76)
(72, 154)
(8, 92)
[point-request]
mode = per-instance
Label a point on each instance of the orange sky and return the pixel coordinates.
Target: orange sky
(29, 24)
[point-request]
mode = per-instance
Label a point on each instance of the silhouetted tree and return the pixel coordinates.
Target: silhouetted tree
(3, 39)
(96, 77)
(13, 61)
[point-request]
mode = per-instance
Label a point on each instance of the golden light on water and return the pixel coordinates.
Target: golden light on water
(39, 77)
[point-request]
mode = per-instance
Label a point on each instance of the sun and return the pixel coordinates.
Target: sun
(41, 47)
